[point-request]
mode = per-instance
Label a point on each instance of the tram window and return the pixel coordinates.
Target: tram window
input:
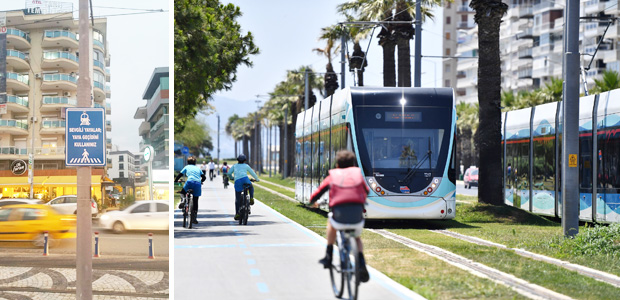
(585, 163)
(609, 152)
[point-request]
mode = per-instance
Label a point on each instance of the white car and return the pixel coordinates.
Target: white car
(142, 215)
(67, 205)
(12, 201)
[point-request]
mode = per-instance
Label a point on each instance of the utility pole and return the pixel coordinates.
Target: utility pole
(417, 69)
(256, 138)
(218, 138)
(306, 89)
(285, 168)
(342, 58)
(570, 134)
(84, 264)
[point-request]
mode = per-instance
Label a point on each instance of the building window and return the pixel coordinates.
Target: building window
(448, 68)
(121, 158)
(448, 52)
(121, 166)
(447, 83)
(448, 19)
(447, 35)
(121, 174)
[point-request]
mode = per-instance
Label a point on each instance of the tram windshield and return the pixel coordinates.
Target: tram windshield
(404, 139)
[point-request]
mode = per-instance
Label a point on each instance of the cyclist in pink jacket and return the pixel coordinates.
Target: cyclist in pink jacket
(347, 196)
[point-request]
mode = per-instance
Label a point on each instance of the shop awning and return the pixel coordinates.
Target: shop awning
(47, 180)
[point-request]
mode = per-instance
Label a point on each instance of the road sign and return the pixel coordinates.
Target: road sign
(185, 150)
(85, 142)
(572, 160)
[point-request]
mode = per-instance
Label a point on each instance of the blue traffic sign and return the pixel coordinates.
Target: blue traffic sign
(85, 142)
(185, 150)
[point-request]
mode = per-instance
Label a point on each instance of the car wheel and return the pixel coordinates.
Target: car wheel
(118, 227)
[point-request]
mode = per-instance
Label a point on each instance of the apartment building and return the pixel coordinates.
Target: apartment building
(531, 41)
(41, 60)
(154, 131)
(122, 169)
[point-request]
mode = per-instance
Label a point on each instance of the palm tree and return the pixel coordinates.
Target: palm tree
(232, 129)
(330, 34)
(610, 81)
(488, 16)
(390, 35)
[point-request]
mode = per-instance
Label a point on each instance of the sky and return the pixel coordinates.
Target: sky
(138, 43)
(286, 32)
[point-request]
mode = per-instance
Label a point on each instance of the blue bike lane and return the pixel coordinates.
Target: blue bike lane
(270, 258)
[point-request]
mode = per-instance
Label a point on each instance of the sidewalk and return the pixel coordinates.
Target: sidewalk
(30, 276)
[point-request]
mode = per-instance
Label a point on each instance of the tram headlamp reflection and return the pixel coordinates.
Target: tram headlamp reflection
(403, 101)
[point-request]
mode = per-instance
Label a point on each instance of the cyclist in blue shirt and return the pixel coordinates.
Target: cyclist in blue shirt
(195, 178)
(239, 174)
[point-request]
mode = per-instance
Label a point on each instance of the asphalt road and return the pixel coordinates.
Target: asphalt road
(132, 243)
(460, 189)
(270, 258)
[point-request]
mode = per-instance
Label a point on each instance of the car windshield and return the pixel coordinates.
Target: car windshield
(474, 172)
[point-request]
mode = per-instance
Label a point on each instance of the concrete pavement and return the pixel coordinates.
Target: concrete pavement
(270, 258)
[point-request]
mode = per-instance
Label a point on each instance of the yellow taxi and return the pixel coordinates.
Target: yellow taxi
(28, 222)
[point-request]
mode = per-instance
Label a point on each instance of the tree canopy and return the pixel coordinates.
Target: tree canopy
(196, 137)
(208, 48)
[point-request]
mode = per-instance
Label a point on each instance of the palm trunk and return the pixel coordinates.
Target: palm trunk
(281, 148)
(404, 63)
(246, 146)
(389, 66)
(236, 149)
(488, 17)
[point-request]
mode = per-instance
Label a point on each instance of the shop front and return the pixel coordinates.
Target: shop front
(47, 184)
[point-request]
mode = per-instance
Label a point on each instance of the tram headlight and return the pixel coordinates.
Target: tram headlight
(373, 185)
(433, 186)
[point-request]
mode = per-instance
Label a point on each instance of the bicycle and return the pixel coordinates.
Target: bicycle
(346, 267)
(244, 206)
(225, 178)
(188, 205)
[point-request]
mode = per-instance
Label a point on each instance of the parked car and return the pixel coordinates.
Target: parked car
(12, 201)
(142, 215)
(67, 205)
(471, 177)
(28, 222)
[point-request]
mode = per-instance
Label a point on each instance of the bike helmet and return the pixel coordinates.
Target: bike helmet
(241, 158)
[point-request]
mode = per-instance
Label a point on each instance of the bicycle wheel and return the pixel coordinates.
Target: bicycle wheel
(242, 208)
(335, 272)
(353, 281)
(246, 204)
(184, 210)
(190, 212)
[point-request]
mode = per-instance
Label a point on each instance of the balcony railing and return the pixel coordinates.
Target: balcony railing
(49, 151)
(58, 77)
(99, 64)
(98, 43)
(98, 84)
(60, 54)
(59, 100)
(13, 150)
(60, 33)
(17, 32)
(53, 124)
(23, 124)
(162, 121)
(465, 8)
(18, 100)
(23, 78)
(16, 53)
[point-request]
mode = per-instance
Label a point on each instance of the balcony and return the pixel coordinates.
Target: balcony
(108, 125)
(17, 38)
(526, 33)
(13, 151)
(465, 25)
(17, 82)
(107, 75)
(162, 123)
(60, 59)
(108, 92)
(525, 72)
(526, 12)
(108, 109)
(59, 82)
(52, 152)
(17, 127)
(53, 127)
(17, 59)
(57, 103)
(465, 9)
(60, 39)
(17, 104)
(99, 91)
(145, 128)
(99, 65)
(98, 44)
(525, 53)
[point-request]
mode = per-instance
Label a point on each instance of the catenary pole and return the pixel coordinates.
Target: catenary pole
(570, 138)
(417, 69)
(84, 267)
(342, 58)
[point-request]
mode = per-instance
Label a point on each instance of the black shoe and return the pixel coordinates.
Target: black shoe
(195, 222)
(326, 262)
(363, 272)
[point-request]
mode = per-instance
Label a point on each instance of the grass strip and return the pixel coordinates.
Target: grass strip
(428, 276)
(288, 182)
(547, 275)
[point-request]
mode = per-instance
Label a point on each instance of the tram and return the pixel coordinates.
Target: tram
(532, 151)
(403, 139)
